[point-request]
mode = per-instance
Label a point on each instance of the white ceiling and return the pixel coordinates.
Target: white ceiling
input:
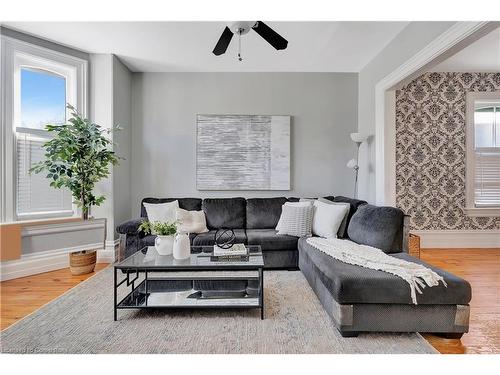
(481, 56)
(187, 46)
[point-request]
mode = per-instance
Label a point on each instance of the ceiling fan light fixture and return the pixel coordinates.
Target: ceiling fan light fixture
(243, 27)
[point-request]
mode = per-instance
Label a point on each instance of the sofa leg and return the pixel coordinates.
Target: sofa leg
(451, 335)
(348, 333)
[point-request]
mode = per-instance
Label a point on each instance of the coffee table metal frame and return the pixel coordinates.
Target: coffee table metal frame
(132, 271)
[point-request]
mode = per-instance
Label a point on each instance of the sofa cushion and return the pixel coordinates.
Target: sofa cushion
(225, 212)
(264, 213)
(207, 239)
(351, 284)
(269, 240)
(353, 205)
(190, 204)
(380, 227)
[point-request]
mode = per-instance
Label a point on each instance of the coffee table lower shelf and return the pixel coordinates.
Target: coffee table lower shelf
(149, 294)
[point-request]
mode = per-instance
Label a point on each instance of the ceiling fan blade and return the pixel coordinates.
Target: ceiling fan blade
(223, 42)
(271, 36)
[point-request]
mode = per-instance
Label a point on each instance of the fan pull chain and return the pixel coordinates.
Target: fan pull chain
(239, 46)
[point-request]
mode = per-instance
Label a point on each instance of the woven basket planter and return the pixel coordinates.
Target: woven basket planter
(82, 262)
(414, 245)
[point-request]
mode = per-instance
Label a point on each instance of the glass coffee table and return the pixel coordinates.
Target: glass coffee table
(157, 281)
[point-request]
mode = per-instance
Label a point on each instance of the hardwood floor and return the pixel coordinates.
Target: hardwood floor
(481, 267)
(20, 297)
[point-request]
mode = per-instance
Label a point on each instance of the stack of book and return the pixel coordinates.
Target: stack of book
(237, 253)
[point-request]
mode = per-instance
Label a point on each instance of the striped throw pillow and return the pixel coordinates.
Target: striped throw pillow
(296, 221)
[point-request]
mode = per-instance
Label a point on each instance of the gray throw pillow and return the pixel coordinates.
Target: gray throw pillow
(296, 221)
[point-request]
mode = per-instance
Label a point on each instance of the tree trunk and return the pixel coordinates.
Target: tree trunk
(85, 209)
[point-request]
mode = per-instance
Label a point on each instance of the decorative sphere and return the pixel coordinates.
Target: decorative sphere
(224, 238)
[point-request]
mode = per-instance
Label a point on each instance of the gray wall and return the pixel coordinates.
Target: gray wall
(110, 105)
(323, 106)
(407, 43)
(122, 115)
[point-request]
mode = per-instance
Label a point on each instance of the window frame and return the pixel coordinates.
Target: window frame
(17, 54)
(470, 208)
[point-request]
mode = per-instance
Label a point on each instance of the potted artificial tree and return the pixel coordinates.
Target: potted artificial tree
(77, 157)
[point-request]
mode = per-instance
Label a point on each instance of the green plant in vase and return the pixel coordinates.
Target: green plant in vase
(165, 234)
(161, 229)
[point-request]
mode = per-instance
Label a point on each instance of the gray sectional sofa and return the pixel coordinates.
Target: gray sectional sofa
(356, 298)
(253, 221)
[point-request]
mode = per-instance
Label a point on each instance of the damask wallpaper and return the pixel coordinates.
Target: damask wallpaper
(430, 150)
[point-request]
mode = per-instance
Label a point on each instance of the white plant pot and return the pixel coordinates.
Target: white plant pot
(164, 245)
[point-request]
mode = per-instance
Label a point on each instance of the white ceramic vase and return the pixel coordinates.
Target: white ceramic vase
(182, 246)
(164, 245)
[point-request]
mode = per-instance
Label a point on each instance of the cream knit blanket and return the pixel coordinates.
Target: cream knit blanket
(416, 275)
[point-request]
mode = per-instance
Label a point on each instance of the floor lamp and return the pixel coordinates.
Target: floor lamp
(357, 138)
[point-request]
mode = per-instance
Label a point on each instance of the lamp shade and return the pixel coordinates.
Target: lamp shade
(351, 163)
(358, 137)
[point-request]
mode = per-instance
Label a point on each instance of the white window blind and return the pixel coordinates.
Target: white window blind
(35, 196)
(487, 177)
(487, 155)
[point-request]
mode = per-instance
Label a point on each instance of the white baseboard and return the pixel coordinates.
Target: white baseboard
(32, 264)
(459, 238)
(107, 255)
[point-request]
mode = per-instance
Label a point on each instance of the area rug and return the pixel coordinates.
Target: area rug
(81, 321)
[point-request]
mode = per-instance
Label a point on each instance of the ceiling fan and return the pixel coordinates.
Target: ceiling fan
(243, 27)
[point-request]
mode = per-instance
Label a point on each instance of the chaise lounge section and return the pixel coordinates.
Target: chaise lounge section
(364, 300)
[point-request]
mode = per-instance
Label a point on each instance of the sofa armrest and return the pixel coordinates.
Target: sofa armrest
(130, 227)
(406, 233)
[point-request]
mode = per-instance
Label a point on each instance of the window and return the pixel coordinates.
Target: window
(483, 154)
(36, 85)
(43, 101)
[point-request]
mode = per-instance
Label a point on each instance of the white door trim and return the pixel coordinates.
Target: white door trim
(385, 166)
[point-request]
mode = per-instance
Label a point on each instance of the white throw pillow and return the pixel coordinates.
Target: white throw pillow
(327, 219)
(296, 220)
(343, 226)
(162, 212)
(293, 204)
(191, 221)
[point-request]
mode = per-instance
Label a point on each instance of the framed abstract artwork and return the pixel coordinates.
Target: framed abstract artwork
(243, 152)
